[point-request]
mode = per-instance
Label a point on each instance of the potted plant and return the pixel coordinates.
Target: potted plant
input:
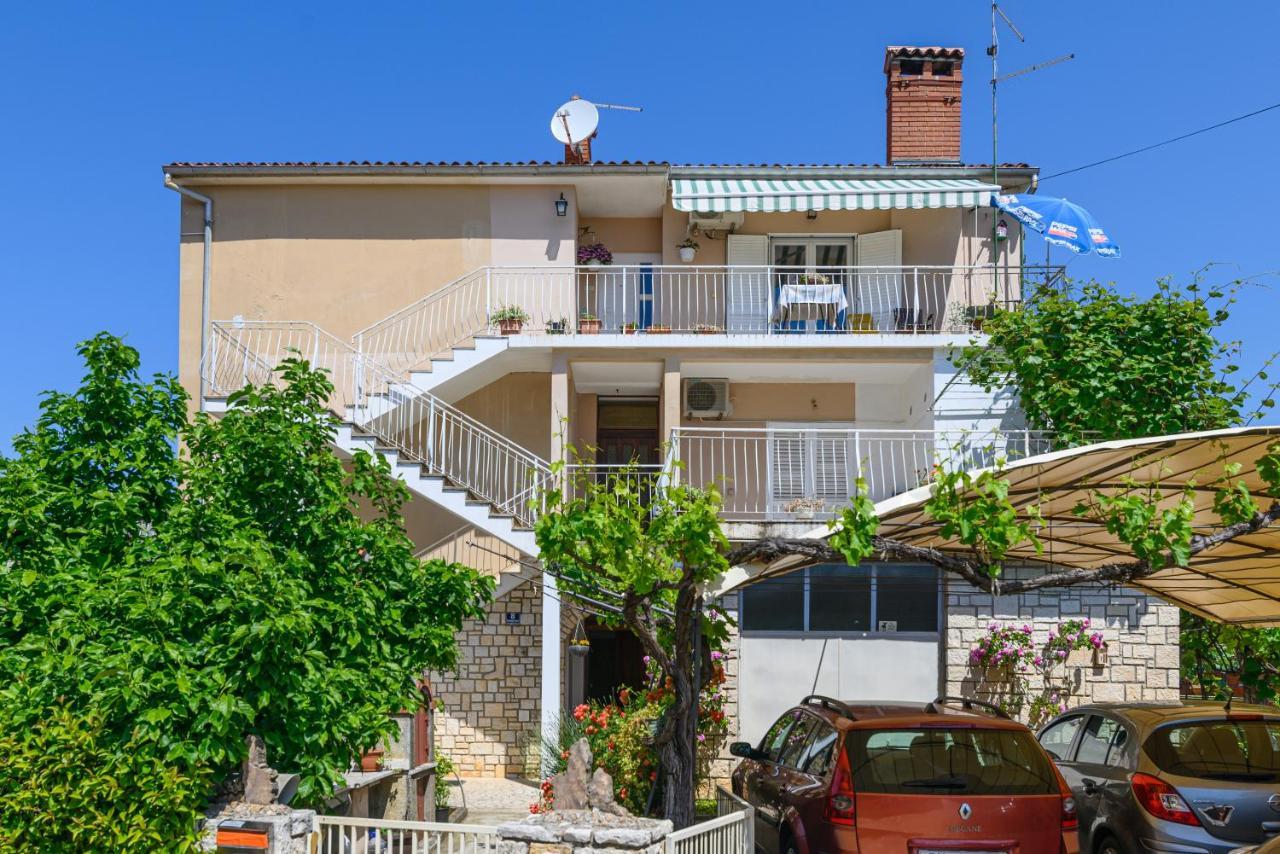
(628, 329)
(511, 319)
(658, 329)
(559, 326)
(707, 329)
(444, 767)
(371, 760)
(804, 508)
(979, 314)
(588, 324)
(813, 279)
(688, 249)
(594, 254)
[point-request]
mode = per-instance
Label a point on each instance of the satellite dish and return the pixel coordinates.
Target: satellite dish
(574, 121)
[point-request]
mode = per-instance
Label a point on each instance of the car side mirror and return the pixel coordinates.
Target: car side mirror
(744, 750)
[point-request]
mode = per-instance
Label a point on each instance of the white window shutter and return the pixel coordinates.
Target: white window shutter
(832, 478)
(786, 468)
(879, 287)
(747, 291)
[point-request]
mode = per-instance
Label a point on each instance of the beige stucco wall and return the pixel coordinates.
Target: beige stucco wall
(626, 234)
(345, 256)
(518, 406)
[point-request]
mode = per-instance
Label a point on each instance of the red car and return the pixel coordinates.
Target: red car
(954, 776)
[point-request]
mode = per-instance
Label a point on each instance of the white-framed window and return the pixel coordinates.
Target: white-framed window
(811, 252)
(815, 460)
(837, 599)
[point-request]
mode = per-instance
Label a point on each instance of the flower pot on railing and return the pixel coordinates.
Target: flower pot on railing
(659, 329)
(588, 326)
(628, 329)
(510, 327)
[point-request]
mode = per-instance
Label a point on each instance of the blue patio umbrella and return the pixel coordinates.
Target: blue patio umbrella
(1060, 222)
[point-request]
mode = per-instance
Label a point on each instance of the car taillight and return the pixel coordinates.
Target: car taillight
(840, 807)
(1070, 820)
(1162, 800)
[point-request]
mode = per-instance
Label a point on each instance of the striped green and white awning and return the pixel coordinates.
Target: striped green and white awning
(838, 194)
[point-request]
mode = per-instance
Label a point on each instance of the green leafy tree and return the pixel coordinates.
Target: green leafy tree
(157, 609)
(651, 551)
(1091, 364)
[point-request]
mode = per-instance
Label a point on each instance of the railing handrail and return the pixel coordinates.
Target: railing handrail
(397, 824)
(390, 378)
(436, 295)
(903, 431)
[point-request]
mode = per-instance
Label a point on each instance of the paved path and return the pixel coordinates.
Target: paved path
(492, 800)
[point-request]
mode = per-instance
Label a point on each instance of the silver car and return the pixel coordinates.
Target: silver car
(1190, 779)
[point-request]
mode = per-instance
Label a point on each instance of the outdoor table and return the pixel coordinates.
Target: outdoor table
(811, 302)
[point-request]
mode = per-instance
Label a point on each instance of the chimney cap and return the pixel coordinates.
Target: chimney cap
(893, 52)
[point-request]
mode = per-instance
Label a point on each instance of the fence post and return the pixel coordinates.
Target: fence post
(857, 459)
(488, 297)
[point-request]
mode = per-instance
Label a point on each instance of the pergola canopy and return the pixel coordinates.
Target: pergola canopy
(1234, 582)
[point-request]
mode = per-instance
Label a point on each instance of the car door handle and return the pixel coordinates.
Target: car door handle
(1090, 787)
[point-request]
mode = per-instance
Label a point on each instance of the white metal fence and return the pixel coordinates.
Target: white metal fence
(420, 426)
(731, 832)
(802, 473)
(724, 299)
(343, 835)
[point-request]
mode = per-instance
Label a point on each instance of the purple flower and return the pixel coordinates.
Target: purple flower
(1039, 662)
(701, 737)
(646, 659)
(717, 655)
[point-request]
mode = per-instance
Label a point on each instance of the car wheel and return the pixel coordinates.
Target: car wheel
(1108, 845)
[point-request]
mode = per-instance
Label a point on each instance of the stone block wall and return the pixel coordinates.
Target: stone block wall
(724, 762)
(490, 722)
(1141, 633)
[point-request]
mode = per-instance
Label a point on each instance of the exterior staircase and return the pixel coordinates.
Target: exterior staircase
(440, 452)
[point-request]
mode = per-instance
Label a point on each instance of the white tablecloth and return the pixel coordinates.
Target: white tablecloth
(811, 302)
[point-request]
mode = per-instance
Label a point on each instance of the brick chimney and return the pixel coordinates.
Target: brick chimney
(579, 152)
(923, 103)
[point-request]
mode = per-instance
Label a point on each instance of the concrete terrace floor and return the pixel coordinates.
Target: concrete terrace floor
(492, 800)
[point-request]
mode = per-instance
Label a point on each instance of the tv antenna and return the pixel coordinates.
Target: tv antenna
(997, 15)
(577, 120)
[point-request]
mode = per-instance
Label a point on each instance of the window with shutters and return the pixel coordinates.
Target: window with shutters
(816, 463)
(836, 599)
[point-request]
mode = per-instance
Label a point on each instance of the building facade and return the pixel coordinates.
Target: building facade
(801, 346)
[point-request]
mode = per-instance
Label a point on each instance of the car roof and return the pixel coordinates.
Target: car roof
(878, 714)
(1152, 714)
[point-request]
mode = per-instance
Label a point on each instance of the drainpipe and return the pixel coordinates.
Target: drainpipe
(205, 277)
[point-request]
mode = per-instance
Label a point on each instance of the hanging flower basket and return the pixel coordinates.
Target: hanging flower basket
(594, 254)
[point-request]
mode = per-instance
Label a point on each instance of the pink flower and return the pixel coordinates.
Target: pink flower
(717, 655)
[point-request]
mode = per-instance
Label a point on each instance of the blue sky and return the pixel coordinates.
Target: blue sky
(95, 99)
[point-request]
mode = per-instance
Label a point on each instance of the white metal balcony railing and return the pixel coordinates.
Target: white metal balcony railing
(727, 299)
(811, 473)
(422, 428)
(762, 473)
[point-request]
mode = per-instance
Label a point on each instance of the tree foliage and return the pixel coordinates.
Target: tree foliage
(1091, 364)
(650, 551)
(156, 609)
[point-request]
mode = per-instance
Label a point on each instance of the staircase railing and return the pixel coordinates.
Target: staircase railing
(432, 325)
(420, 426)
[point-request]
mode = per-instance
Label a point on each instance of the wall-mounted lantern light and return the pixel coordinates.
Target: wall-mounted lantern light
(812, 214)
(562, 206)
(1002, 230)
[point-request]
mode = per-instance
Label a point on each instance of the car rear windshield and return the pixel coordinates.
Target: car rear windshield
(941, 760)
(1240, 750)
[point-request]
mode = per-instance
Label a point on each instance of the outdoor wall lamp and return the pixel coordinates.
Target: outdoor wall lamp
(562, 206)
(811, 215)
(1002, 230)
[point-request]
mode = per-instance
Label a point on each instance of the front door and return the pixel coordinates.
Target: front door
(626, 434)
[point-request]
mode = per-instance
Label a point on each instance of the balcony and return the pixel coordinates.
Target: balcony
(796, 475)
(735, 300)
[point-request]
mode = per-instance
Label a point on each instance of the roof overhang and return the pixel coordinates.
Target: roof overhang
(1236, 582)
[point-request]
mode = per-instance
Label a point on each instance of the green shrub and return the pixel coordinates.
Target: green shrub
(69, 786)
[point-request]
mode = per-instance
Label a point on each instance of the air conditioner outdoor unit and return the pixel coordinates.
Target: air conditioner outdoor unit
(706, 398)
(717, 220)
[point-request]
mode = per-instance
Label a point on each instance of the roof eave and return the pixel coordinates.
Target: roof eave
(223, 170)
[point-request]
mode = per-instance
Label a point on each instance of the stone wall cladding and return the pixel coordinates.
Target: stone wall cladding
(724, 763)
(490, 722)
(1141, 634)
(491, 701)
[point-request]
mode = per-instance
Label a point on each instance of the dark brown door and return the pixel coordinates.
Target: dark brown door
(627, 432)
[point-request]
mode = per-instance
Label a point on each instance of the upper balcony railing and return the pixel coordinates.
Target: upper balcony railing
(656, 299)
